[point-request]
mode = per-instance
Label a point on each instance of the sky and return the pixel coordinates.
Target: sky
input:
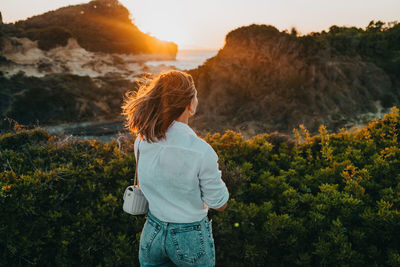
(203, 24)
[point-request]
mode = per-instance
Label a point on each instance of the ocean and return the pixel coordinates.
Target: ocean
(186, 59)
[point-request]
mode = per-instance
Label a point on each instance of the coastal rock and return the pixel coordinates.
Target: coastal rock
(264, 80)
(98, 26)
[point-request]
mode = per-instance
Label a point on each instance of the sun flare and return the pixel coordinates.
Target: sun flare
(166, 21)
(169, 33)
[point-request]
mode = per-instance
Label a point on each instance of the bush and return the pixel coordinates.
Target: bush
(57, 98)
(329, 199)
(49, 37)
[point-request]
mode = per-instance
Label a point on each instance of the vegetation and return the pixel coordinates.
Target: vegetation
(323, 200)
(60, 98)
(49, 37)
(379, 42)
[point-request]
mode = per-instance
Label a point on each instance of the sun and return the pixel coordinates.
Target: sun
(169, 33)
(161, 19)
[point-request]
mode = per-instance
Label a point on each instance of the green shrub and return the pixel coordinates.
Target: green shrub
(326, 200)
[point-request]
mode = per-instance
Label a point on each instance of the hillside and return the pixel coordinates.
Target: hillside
(73, 64)
(264, 80)
(59, 98)
(98, 26)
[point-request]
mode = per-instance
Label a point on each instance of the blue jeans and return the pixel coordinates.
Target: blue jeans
(176, 244)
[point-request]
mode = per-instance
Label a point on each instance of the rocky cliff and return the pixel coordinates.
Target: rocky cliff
(264, 80)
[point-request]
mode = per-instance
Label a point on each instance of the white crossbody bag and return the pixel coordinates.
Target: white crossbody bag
(135, 202)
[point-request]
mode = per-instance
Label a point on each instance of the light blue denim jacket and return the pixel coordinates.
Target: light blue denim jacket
(179, 176)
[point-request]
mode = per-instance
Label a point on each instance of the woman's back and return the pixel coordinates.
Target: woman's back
(178, 174)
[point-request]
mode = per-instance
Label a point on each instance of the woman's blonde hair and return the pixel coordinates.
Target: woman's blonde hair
(151, 110)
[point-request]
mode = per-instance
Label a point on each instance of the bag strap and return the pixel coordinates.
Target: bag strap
(135, 183)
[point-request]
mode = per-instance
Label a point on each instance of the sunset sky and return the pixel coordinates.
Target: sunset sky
(204, 24)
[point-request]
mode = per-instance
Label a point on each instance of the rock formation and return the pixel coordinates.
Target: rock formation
(264, 80)
(98, 26)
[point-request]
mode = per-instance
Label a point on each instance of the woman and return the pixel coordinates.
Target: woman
(177, 172)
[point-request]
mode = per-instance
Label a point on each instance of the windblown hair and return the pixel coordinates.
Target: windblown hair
(157, 103)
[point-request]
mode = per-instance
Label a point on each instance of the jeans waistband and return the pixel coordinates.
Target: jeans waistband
(152, 217)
